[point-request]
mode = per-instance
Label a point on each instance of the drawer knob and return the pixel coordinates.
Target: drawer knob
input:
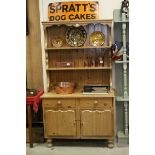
(95, 102)
(59, 102)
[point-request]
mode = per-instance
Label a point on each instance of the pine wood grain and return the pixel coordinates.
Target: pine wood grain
(33, 47)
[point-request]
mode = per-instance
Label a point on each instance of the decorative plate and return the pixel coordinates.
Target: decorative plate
(97, 39)
(76, 36)
(57, 42)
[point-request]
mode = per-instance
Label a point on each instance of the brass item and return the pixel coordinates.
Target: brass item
(97, 39)
(57, 42)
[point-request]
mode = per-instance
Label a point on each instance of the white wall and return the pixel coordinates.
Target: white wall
(105, 7)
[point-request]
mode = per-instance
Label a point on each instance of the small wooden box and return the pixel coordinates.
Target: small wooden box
(65, 64)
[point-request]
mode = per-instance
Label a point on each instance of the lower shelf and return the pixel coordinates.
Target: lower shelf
(122, 139)
(121, 98)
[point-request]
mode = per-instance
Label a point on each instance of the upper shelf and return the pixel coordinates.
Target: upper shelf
(79, 68)
(121, 62)
(84, 47)
(61, 33)
(77, 23)
(117, 17)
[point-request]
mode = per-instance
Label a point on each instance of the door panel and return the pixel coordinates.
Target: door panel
(96, 123)
(60, 123)
(67, 124)
(51, 118)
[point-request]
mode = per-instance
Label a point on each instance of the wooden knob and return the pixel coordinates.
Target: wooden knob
(59, 102)
(105, 104)
(95, 102)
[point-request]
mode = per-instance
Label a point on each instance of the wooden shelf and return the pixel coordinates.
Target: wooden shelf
(126, 21)
(76, 23)
(76, 95)
(79, 68)
(88, 47)
(61, 110)
(118, 62)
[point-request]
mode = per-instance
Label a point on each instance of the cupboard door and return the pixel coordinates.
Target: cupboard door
(60, 123)
(96, 123)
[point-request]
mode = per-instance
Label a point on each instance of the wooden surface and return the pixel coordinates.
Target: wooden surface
(79, 57)
(75, 23)
(80, 77)
(96, 123)
(76, 95)
(85, 59)
(60, 123)
(56, 31)
(85, 47)
(33, 47)
(79, 118)
(95, 103)
(79, 115)
(59, 103)
(30, 124)
(80, 68)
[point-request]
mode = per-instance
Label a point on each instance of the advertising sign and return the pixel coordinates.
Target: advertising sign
(70, 11)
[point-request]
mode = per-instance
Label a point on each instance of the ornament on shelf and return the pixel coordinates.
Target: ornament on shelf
(57, 42)
(117, 51)
(117, 54)
(92, 62)
(101, 62)
(125, 8)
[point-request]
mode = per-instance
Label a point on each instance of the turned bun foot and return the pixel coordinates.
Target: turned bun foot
(49, 143)
(110, 143)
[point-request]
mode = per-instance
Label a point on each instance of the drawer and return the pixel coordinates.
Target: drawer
(96, 103)
(59, 103)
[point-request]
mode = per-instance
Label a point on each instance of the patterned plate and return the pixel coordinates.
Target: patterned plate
(97, 39)
(57, 42)
(76, 36)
